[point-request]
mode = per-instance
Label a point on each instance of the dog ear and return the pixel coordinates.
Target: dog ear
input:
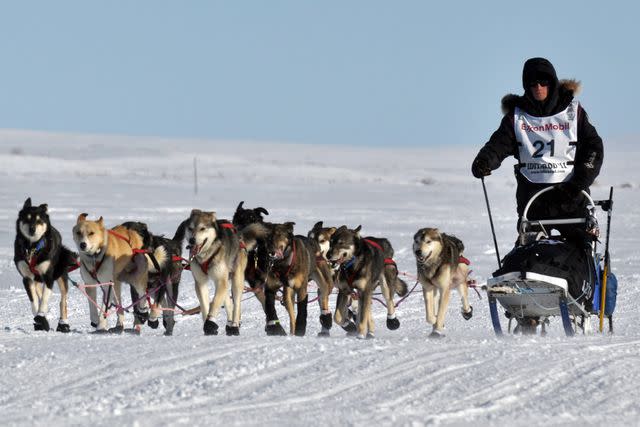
(27, 203)
(240, 206)
(317, 225)
(82, 217)
(213, 216)
(342, 228)
(261, 210)
(289, 226)
(100, 221)
(331, 231)
(311, 235)
(195, 212)
(357, 229)
(43, 207)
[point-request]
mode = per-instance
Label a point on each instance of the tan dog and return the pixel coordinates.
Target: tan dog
(108, 256)
(216, 254)
(440, 268)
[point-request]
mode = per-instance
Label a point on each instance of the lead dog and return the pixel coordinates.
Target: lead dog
(440, 268)
(41, 259)
(110, 256)
(359, 266)
(216, 254)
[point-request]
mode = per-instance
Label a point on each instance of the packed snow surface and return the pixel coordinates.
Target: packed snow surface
(399, 378)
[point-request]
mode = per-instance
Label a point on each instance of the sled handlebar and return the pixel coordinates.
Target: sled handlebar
(591, 205)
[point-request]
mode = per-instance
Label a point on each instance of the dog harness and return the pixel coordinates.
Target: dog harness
(387, 261)
(32, 256)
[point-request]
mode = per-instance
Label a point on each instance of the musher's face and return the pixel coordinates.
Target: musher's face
(540, 90)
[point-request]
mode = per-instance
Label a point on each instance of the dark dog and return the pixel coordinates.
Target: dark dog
(165, 270)
(42, 259)
(257, 259)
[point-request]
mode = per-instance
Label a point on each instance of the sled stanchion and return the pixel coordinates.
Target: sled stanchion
(493, 231)
(495, 319)
(605, 273)
(564, 313)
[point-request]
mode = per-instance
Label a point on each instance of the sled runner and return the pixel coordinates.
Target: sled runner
(547, 275)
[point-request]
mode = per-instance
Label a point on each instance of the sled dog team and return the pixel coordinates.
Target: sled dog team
(267, 256)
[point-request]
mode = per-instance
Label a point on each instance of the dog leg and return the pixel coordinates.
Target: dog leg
(220, 297)
(288, 303)
(341, 316)
(445, 293)
(30, 288)
(301, 317)
(387, 291)
(273, 326)
(324, 289)
(94, 315)
(237, 288)
(63, 324)
(116, 297)
(168, 317)
(202, 291)
(40, 319)
(467, 310)
(364, 311)
(428, 294)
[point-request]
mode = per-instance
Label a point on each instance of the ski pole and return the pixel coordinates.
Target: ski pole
(493, 231)
(603, 290)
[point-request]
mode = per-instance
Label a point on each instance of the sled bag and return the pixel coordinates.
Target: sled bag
(554, 258)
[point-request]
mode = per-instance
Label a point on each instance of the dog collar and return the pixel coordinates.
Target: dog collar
(349, 263)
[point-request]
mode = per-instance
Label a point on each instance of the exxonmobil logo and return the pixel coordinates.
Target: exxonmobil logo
(544, 127)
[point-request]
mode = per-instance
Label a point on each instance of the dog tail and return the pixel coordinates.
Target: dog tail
(67, 259)
(161, 257)
(396, 284)
(401, 287)
(252, 233)
(179, 236)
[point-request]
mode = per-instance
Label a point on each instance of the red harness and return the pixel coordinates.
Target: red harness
(387, 261)
(463, 260)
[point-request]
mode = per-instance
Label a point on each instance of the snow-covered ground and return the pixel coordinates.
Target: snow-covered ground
(400, 378)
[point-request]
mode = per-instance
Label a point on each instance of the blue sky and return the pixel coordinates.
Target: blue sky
(378, 73)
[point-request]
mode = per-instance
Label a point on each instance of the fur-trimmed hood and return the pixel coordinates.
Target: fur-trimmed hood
(568, 88)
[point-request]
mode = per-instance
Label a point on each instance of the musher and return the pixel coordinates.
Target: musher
(550, 135)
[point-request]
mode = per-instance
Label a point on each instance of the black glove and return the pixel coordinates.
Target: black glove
(480, 167)
(571, 196)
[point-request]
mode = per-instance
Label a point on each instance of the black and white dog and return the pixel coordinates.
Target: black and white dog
(41, 259)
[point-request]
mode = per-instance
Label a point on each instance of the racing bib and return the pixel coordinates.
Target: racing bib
(547, 145)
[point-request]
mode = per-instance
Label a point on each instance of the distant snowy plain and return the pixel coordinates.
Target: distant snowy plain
(399, 378)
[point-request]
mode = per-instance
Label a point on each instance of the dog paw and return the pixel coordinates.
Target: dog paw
(210, 327)
(118, 329)
(436, 334)
(370, 336)
(393, 324)
(469, 314)
(153, 324)
(232, 331)
(94, 325)
(168, 333)
(141, 317)
(63, 327)
(326, 321)
(324, 333)
(275, 330)
(350, 328)
(40, 323)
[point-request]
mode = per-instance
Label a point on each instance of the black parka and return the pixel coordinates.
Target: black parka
(502, 144)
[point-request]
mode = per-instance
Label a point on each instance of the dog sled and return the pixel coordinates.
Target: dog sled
(546, 276)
